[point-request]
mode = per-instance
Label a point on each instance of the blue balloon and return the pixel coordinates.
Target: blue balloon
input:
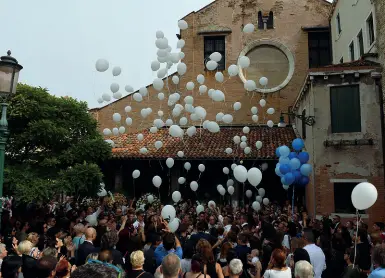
(289, 178)
(306, 169)
(278, 172)
(277, 152)
(295, 163)
(298, 144)
(297, 175)
(303, 157)
(284, 160)
(292, 155)
(284, 151)
(283, 181)
(286, 187)
(284, 168)
(303, 181)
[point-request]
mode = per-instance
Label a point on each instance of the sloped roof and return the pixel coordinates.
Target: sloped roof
(354, 65)
(203, 145)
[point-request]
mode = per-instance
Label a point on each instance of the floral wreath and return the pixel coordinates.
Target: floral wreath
(143, 201)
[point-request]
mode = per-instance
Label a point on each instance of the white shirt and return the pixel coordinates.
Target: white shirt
(137, 223)
(271, 273)
(317, 259)
(286, 242)
(227, 228)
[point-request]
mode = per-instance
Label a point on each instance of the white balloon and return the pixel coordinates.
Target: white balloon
(216, 56)
(270, 111)
(162, 59)
(211, 92)
(136, 174)
(237, 139)
(160, 114)
(233, 166)
(182, 24)
(364, 195)
(176, 196)
(169, 162)
(230, 182)
(226, 170)
(194, 117)
(190, 86)
(249, 28)
(187, 166)
(256, 206)
(158, 84)
(153, 129)
(122, 130)
(117, 95)
(233, 70)
(128, 121)
(169, 122)
(201, 167)
(222, 191)
(158, 123)
(201, 79)
(237, 106)
(227, 118)
(127, 109)
(161, 43)
(255, 118)
(143, 91)
(240, 173)
(129, 89)
(219, 186)
(261, 192)
(244, 62)
(138, 97)
(219, 117)
(144, 113)
(175, 131)
(262, 103)
(140, 137)
(258, 145)
(158, 144)
(258, 199)
(180, 154)
(116, 71)
(246, 129)
(173, 225)
(202, 89)
(174, 57)
(114, 87)
(270, 123)
(180, 44)
(161, 96)
(109, 141)
(143, 150)
(191, 131)
(181, 68)
(229, 150)
(218, 95)
(250, 85)
(100, 100)
(115, 131)
(168, 213)
(161, 73)
(181, 180)
(213, 127)
(200, 208)
(102, 65)
(264, 166)
(159, 34)
(175, 79)
(254, 176)
(219, 77)
(254, 110)
(249, 193)
(200, 112)
(183, 121)
(247, 150)
(116, 117)
(162, 53)
(189, 108)
(265, 201)
(211, 203)
(181, 55)
(230, 189)
(107, 131)
(150, 199)
(211, 65)
(194, 186)
(263, 81)
(243, 145)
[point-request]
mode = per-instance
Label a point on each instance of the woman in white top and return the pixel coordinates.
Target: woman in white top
(277, 266)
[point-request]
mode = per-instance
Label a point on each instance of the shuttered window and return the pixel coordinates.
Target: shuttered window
(345, 109)
(215, 44)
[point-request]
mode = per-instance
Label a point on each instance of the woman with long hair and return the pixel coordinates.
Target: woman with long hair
(277, 267)
(223, 254)
(197, 269)
(204, 249)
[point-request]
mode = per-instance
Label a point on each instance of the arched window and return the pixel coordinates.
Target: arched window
(270, 21)
(260, 20)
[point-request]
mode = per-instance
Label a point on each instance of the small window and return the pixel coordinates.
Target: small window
(215, 44)
(360, 40)
(351, 51)
(270, 21)
(338, 19)
(303, 124)
(342, 60)
(370, 28)
(342, 197)
(319, 49)
(345, 109)
(260, 21)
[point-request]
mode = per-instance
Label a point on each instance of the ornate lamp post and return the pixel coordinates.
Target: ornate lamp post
(9, 76)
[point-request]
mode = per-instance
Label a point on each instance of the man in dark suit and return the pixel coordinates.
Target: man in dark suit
(87, 247)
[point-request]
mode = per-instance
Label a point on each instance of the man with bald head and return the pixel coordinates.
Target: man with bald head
(170, 267)
(87, 247)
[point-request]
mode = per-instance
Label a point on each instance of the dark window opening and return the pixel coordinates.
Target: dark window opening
(319, 49)
(345, 109)
(339, 29)
(260, 20)
(370, 25)
(270, 21)
(360, 39)
(342, 60)
(351, 51)
(215, 44)
(342, 197)
(303, 124)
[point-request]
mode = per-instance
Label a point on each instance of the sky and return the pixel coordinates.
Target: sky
(58, 42)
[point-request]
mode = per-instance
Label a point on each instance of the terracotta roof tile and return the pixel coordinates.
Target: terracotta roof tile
(359, 64)
(203, 145)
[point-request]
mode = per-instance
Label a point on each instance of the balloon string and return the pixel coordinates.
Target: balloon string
(355, 241)
(133, 183)
(160, 163)
(169, 182)
(159, 193)
(199, 176)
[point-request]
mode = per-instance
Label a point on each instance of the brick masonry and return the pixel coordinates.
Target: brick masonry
(289, 17)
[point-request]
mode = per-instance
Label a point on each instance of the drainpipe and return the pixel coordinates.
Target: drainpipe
(377, 78)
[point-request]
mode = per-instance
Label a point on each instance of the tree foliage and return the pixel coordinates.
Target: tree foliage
(54, 146)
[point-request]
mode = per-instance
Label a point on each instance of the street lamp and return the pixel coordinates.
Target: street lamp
(307, 120)
(9, 76)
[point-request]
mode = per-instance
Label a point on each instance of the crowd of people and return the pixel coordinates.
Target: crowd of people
(278, 241)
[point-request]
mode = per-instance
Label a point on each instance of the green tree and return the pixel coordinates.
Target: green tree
(54, 146)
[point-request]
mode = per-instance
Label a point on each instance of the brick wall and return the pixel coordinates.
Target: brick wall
(289, 17)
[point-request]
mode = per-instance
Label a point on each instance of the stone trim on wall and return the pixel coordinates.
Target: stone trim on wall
(281, 47)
